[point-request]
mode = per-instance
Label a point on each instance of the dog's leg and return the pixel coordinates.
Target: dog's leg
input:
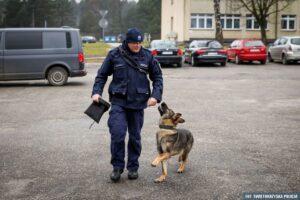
(159, 158)
(156, 161)
(164, 167)
(183, 161)
(181, 166)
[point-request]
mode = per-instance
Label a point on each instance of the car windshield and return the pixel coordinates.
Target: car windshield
(214, 44)
(295, 41)
(202, 44)
(255, 43)
(163, 45)
(209, 44)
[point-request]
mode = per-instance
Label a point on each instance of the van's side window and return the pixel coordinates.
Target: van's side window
(69, 41)
(57, 40)
(23, 40)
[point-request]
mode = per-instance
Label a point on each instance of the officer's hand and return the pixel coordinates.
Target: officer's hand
(96, 97)
(151, 101)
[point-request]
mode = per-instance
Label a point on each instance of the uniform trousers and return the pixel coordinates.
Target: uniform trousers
(120, 120)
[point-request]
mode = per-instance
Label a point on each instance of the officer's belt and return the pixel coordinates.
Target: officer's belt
(132, 63)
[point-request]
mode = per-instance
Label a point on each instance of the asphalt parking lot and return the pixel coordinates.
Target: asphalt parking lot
(245, 120)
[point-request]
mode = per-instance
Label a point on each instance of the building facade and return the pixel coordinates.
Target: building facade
(186, 20)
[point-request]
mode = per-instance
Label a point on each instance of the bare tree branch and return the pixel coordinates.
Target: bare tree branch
(262, 9)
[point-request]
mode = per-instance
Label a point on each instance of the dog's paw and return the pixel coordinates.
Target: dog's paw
(160, 179)
(154, 163)
(181, 168)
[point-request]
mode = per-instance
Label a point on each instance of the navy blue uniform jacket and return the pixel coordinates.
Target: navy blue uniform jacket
(129, 87)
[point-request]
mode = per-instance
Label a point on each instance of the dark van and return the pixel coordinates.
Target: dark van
(41, 53)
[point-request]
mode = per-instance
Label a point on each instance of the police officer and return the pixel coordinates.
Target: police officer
(130, 93)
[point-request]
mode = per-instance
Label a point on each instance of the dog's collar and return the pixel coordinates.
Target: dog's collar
(166, 127)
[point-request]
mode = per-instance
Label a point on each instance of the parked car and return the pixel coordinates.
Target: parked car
(166, 52)
(88, 39)
(205, 51)
(285, 49)
(41, 53)
(247, 50)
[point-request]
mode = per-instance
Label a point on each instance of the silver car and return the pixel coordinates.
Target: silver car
(285, 49)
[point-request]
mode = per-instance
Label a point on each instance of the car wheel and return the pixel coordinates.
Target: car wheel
(193, 62)
(179, 64)
(263, 62)
(270, 59)
(57, 76)
(184, 60)
(284, 60)
(237, 60)
(223, 64)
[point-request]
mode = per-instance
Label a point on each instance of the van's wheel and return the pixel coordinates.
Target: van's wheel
(57, 76)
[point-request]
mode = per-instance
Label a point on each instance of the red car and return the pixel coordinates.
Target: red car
(247, 50)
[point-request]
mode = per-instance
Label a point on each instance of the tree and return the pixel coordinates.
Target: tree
(219, 32)
(129, 15)
(262, 9)
(2, 12)
(89, 17)
(37, 13)
(16, 14)
(122, 14)
(64, 13)
(149, 15)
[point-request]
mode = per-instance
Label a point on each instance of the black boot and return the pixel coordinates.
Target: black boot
(116, 175)
(133, 175)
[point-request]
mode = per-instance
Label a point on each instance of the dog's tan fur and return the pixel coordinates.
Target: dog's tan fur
(171, 141)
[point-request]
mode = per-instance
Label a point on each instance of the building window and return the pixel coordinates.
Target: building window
(230, 21)
(251, 23)
(288, 22)
(201, 21)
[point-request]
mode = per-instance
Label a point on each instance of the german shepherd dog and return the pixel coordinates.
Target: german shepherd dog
(171, 141)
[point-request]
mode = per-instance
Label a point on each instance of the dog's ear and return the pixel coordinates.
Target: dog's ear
(177, 118)
(180, 120)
